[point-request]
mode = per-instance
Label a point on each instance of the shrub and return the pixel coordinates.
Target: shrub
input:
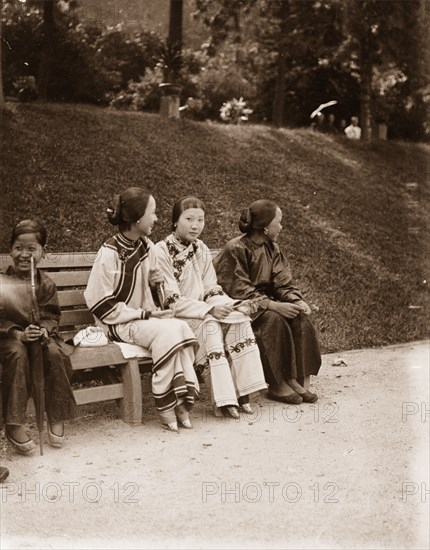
(235, 111)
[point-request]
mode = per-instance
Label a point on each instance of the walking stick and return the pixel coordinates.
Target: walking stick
(37, 374)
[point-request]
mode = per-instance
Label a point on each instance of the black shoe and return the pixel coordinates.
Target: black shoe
(309, 397)
(4, 472)
(23, 448)
(290, 399)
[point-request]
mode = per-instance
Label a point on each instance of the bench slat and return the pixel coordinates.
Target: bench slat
(75, 317)
(99, 393)
(102, 356)
(69, 278)
(68, 260)
(68, 334)
(69, 298)
(61, 260)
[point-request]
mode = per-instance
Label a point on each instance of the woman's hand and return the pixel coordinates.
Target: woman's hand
(155, 276)
(162, 314)
(246, 309)
(305, 307)
(32, 333)
(287, 309)
(221, 311)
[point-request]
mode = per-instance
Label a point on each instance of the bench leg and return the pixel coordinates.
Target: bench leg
(131, 404)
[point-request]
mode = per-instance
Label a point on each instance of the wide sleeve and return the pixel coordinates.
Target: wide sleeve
(212, 290)
(181, 305)
(7, 296)
(15, 304)
(99, 294)
(232, 269)
(283, 287)
(6, 327)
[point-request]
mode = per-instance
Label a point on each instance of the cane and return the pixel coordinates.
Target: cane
(37, 374)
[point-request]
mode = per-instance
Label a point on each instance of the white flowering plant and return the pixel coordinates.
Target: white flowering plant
(235, 111)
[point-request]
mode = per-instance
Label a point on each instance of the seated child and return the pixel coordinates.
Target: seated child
(29, 334)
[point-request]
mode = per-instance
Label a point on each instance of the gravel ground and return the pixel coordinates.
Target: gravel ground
(350, 471)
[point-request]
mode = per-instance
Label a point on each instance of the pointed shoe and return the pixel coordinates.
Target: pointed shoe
(171, 427)
(183, 416)
(22, 448)
(246, 408)
(186, 423)
(53, 439)
(217, 411)
(231, 410)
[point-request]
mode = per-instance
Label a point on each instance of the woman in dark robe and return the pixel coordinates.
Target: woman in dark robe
(252, 266)
(20, 333)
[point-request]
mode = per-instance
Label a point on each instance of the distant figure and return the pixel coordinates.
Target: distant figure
(27, 89)
(320, 123)
(330, 128)
(353, 131)
(342, 125)
(318, 126)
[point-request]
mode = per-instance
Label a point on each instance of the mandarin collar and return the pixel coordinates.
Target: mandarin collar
(181, 242)
(129, 242)
(267, 244)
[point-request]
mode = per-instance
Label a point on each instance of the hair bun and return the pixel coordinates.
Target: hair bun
(114, 211)
(245, 220)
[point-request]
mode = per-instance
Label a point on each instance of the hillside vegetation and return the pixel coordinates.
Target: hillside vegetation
(355, 215)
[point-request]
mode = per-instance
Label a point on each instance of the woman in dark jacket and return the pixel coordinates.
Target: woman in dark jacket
(253, 266)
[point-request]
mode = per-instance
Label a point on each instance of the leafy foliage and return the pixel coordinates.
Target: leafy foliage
(89, 59)
(284, 57)
(235, 111)
(310, 52)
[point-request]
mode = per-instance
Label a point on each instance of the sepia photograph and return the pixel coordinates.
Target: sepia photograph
(214, 274)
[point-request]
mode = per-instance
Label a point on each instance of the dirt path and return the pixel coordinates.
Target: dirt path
(348, 472)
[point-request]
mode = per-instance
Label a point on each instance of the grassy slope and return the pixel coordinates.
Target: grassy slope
(354, 231)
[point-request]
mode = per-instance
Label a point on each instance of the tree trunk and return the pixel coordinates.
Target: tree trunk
(45, 67)
(365, 103)
(279, 99)
(1, 71)
(175, 23)
(365, 91)
(169, 104)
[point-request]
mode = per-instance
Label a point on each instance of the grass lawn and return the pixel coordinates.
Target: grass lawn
(355, 227)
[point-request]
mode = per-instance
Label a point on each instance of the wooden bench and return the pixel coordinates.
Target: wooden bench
(117, 378)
